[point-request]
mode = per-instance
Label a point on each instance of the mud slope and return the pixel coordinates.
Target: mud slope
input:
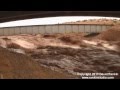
(112, 34)
(18, 66)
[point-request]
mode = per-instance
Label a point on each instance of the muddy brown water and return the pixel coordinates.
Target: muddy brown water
(73, 61)
(86, 59)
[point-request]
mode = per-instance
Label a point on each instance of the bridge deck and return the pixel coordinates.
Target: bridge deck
(19, 15)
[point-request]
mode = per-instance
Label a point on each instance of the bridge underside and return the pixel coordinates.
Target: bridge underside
(6, 16)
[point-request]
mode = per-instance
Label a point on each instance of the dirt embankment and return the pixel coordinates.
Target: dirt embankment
(112, 34)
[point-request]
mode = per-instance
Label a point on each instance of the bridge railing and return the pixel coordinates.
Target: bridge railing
(52, 29)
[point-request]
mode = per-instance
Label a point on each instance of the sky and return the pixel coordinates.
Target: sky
(49, 20)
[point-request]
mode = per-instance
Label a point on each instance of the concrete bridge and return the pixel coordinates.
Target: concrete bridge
(53, 29)
(6, 16)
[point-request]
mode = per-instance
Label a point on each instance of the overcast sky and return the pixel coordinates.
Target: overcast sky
(49, 20)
